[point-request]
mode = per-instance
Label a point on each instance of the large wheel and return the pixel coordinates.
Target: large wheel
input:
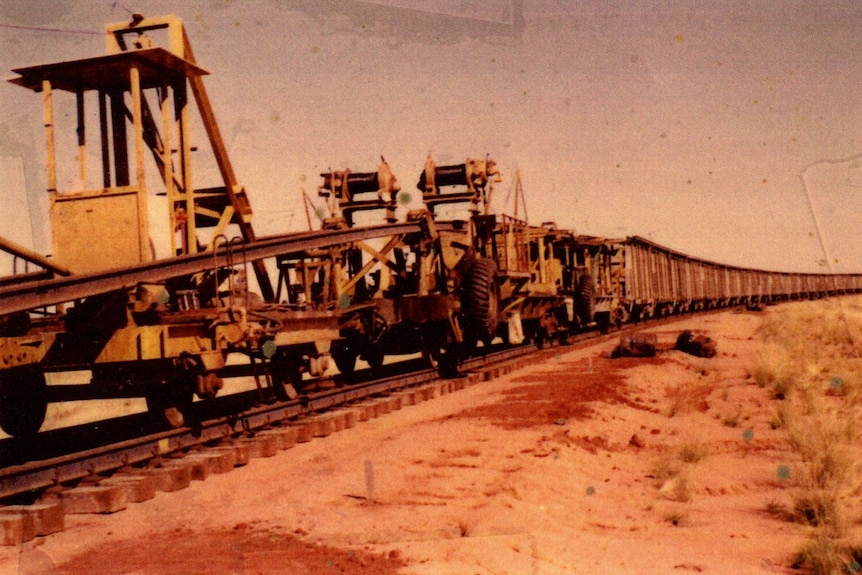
(585, 301)
(23, 401)
(481, 301)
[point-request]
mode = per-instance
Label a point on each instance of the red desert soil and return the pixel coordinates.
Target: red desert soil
(578, 464)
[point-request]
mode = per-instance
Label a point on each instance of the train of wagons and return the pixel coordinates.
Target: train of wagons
(286, 309)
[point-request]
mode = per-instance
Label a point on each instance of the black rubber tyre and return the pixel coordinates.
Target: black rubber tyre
(585, 303)
(23, 401)
(481, 302)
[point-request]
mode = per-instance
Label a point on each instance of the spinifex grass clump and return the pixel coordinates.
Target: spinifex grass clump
(813, 345)
(812, 362)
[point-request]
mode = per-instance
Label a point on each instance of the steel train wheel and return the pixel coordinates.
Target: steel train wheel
(431, 359)
(286, 377)
(539, 338)
(344, 354)
(481, 304)
(373, 356)
(23, 401)
(434, 340)
(171, 402)
(449, 362)
(564, 334)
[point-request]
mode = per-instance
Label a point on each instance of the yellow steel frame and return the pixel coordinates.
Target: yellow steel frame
(232, 201)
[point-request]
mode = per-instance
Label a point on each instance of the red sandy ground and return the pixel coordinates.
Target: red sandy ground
(579, 464)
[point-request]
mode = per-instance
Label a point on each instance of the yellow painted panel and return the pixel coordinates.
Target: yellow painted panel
(151, 342)
(97, 233)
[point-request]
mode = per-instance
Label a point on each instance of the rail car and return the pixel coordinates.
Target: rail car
(173, 328)
(166, 329)
(636, 279)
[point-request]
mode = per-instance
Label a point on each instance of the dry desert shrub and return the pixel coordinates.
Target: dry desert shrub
(775, 369)
(824, 554)
(814, 345)
(731, 420)
(690, 397)
(670, 475)
(812, 363)
(692, 452)
(675, 516)
(779, 510)
(835, 322)
(824, 439)
(827, 481)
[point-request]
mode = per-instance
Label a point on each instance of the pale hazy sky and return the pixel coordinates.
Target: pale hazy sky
(730, 131)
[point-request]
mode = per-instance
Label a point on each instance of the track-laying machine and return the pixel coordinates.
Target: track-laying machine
(164, 329)
(171, 328)
(456, 283)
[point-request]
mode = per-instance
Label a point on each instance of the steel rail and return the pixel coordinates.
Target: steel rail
(35, 475)
(39, 294)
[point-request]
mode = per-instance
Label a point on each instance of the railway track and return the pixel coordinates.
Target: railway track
(105, 478)
(27, 479)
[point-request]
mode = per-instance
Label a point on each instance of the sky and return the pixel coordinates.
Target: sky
(730, 131)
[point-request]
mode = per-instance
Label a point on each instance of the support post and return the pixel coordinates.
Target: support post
(181, 110)
(140, 171)
(82, 141)
(118, 133)
(103, 136)
(167, 162)
(51, 159)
